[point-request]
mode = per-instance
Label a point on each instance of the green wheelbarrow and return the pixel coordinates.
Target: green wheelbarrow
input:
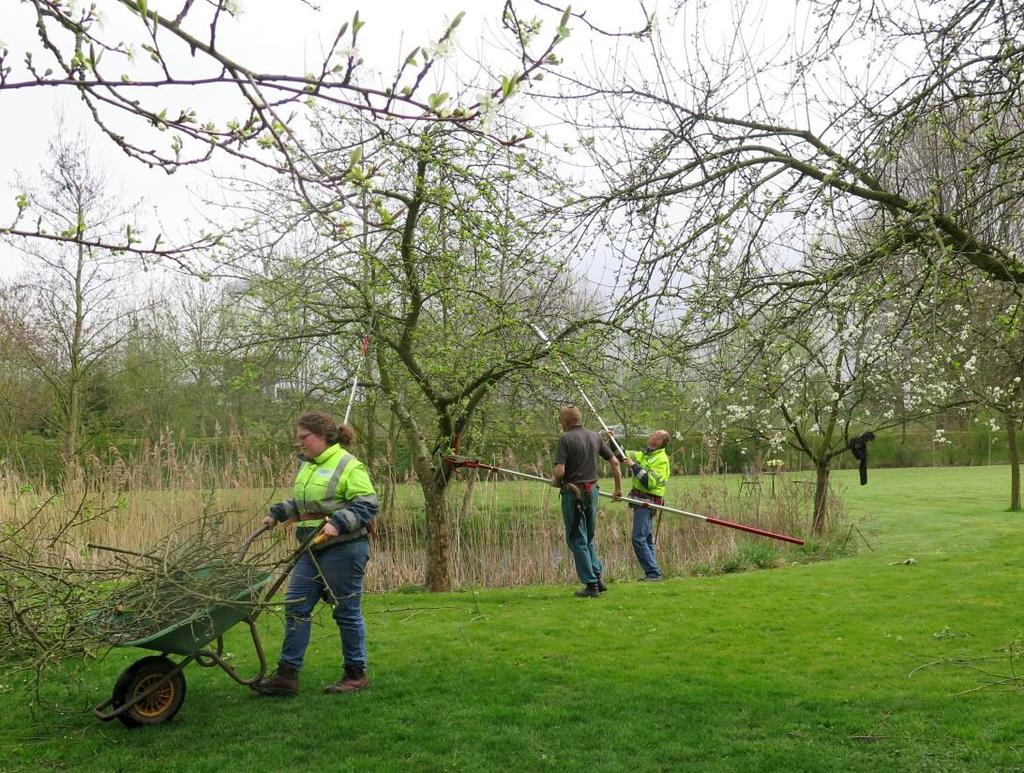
(151, 690)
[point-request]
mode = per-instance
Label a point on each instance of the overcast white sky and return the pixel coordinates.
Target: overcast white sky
(270, 36)
(288, 36)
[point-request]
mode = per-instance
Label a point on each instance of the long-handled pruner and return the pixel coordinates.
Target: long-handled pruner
(458, 461)
(365, 346)
(611, 436)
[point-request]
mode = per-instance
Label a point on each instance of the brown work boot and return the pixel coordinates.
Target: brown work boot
(353, 679)
(589, 591)
(284, 681)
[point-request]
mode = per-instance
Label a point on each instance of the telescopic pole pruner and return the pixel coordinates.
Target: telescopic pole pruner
(355, 379)
(455, 461)
(611, 437)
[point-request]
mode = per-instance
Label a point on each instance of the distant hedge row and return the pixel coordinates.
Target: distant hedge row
(35, 456)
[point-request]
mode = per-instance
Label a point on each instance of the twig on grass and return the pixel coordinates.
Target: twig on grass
(994, 678)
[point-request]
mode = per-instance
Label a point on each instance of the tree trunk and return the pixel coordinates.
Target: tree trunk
(438, 532)
(73, 398)
(467, 497)
(434, 483)
(464, 512)
(74, 418)
(394, 435)
(820, 496)
(1012, 420)
(370, 431)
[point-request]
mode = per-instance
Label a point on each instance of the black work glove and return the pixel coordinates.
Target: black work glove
(278, 512)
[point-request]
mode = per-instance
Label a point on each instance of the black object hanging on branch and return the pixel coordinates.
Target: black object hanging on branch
(859, 448)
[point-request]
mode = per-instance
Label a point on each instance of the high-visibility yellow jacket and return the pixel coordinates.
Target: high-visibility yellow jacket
(650, 471)
(333, 485)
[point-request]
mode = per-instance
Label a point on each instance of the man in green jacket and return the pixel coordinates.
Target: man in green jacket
(650, 470)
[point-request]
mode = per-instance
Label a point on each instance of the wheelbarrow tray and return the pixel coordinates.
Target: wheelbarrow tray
(186, 637)
(151, 690)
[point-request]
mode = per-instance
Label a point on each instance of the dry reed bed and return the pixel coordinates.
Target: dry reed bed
(504, 533)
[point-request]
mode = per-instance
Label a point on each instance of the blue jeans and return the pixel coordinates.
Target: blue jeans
(338, 569)
(581, 538)
(643, 540)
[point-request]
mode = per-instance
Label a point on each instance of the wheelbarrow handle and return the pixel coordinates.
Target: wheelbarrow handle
(288, 562)
(251, 539)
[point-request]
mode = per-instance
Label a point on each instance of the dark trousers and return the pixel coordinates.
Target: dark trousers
(338, 569)
(579, 534)
(643, 540)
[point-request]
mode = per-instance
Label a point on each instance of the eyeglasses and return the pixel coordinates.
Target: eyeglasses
(302, 437)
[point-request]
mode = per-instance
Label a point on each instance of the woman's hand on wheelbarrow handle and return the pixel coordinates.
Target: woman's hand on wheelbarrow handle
(278, 513)
(270, 521)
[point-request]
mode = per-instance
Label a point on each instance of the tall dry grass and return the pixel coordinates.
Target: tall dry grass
(503, 533)
(140, 500)
(511, 533)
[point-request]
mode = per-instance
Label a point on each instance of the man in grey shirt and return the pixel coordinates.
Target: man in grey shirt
(575, 473)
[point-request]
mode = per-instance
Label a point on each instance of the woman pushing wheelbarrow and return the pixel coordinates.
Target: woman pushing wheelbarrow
(334, 499)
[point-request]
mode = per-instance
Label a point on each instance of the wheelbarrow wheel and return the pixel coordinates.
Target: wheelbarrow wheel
(140, 677)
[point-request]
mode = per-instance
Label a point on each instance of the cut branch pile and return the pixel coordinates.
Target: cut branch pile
(56, 610)
(43, 592)
(172, 586)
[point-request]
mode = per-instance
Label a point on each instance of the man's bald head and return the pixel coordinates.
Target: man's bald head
(659, 439)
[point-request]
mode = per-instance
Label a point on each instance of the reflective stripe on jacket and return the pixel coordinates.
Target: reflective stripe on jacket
(335, 481)
(656, 465)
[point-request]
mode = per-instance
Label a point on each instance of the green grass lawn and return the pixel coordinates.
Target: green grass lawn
(807, 667)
